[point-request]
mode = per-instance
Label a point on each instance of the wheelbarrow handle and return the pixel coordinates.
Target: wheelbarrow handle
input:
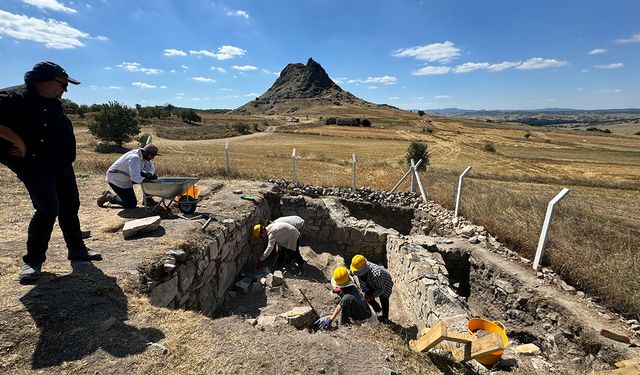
(499, 324)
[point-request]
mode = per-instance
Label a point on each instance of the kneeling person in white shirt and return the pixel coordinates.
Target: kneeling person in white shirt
(135, 166)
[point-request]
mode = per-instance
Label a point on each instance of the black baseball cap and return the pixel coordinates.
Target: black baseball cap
(46, 71)
(151, 149)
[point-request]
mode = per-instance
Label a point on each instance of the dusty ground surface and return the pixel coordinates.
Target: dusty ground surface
(88, 318)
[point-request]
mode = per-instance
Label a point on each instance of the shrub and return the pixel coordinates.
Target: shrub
(82, 109)
(366, 122)
(417, 151)
(114, 123)
(190, 116)
(636, 133)
(427, 130)
(420, 113)
(489, 147)
(241, 127)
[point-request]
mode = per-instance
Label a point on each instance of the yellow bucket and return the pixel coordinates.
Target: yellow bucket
(477, 324)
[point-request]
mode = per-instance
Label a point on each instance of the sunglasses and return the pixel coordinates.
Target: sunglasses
(63, 83)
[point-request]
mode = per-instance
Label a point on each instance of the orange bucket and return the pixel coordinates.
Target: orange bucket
(193, 192)
(477, 324)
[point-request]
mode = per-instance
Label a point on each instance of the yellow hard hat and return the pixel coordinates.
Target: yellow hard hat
(256, 230)
(357, 262)
(341, 276)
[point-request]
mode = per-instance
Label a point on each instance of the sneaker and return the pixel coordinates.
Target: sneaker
(85, 256)
(30, 272)
(104, 198)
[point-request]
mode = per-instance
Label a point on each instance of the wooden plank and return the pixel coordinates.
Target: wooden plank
(463, 338)
(474, 349)
(432, 338)
(628, 362)
(627, 370)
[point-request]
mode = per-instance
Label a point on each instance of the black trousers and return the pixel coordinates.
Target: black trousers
(384, 301)
(124, 197)
(52, 196)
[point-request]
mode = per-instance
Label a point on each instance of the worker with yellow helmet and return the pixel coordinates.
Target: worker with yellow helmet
(375, 282)
(352, 306)
(284, 238)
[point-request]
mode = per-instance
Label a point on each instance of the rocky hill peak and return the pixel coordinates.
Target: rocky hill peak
(300, 81)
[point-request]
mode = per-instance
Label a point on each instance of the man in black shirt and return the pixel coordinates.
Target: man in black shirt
(37, 143)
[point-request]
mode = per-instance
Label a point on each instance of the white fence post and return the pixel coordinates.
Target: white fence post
(226, 156)
(413, 177)
(417, 178)
(148, 140)
(459, 195)
(353, 181)
(546, 225)
(405, 176)
(293, 164)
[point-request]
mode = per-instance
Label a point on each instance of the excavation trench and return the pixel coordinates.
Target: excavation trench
(435, 278)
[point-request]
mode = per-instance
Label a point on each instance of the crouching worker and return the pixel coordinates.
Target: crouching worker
(284, 238)
(135, 166)
(294, 220)
(352, 307)
(375, 282)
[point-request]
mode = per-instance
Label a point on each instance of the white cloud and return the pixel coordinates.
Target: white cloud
(469, 67)
(441, 52)
(584, 70)
(238, 13)
(52, 33)
(596, 51)
(172, 71)
(137, 67)
(184, 67)
(50, 4)
(108, 68)
(609, 66)
(503, 65)
(540, 63)
(219, 69)
(223, 53)
(174, 52)
(252, 94)
(387, 80)
(101, 38)
(372, 87)
(226, 89)
(338, 80)
(203, 79)
(244, 68)
(353, 81)
(114, 87)
(394, 98)
(142, 85)
(635, 38)
(163, 87)
(442, 96)
(430, 70)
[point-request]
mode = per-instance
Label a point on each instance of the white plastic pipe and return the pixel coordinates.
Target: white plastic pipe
(226, 155)
(459, 195)
(417, 178)
(293, 165)
(353, 181)
(405, 176)
(545, 227)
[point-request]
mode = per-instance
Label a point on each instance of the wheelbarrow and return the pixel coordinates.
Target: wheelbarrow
(182, 190)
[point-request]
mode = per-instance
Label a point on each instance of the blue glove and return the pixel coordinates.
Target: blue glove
(323, 323)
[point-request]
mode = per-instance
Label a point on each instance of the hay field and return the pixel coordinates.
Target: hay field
(594, 235)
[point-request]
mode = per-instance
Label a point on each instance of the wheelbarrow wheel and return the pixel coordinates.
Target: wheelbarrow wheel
(187, 204)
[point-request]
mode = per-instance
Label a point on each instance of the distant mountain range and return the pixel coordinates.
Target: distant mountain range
(452, 111)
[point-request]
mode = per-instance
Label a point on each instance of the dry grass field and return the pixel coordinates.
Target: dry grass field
(594, 236)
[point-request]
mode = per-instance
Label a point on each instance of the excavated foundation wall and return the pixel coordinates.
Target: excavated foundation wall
(210, 265)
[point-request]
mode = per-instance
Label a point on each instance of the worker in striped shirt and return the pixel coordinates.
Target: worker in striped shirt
(375, 282)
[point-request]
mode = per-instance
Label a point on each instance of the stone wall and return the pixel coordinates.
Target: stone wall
(421, 279)
(328, 221)
(211, 263)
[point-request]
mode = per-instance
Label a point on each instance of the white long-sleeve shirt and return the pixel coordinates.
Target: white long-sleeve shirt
(126, 170)
(281, 234)
(294, 220)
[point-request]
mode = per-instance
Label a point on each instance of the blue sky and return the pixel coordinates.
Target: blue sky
(492, 54)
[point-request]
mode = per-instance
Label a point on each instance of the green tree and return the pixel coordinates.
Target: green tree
(417, 151)
(489, 147)
(420, 113)
(190, 116)
(69, 107)
(115, 123)
(82, 110)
